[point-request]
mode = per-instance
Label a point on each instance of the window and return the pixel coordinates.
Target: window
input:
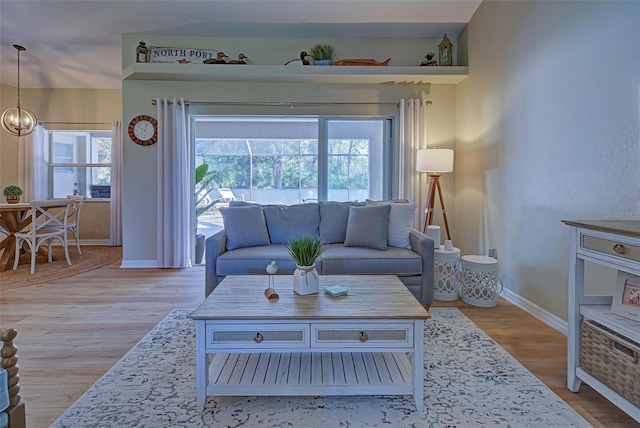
(289, 160)
(80, 164)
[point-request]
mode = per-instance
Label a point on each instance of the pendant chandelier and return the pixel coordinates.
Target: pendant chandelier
(17, 120)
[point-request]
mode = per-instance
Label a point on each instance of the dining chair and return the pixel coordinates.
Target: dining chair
(46, 225)
(73, 223)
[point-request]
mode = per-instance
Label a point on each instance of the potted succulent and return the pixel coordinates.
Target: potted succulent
(322, 54)
(304, 251)
(12, 194)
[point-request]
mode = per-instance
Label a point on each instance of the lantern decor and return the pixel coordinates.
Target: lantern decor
(445, 49)
(17, 120)
(142, 52)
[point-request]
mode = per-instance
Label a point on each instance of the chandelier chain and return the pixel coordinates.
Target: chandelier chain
(18, 79)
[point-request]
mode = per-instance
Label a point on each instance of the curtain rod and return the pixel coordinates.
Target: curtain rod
(291, 104)
(42, 122)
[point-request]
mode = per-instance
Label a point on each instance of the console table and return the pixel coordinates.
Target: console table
(599, 241)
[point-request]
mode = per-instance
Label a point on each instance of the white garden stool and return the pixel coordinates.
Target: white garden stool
(480, 282)
(446, 268)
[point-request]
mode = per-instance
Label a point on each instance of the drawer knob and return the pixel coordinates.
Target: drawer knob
(258, 338)
(618, 249)
(363, 336)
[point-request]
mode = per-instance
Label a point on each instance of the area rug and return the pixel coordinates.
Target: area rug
(470, 381)
(93, 257)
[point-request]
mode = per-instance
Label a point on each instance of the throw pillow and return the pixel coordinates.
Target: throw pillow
(368, 227)
(290, 221)
(245, 226)
(333, 221)
(400, 222)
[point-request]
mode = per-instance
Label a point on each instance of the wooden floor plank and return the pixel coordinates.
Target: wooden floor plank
(83, 325)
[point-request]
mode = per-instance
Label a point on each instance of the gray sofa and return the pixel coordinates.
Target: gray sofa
(356, 239)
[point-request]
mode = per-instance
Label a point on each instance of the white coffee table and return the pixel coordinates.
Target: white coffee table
(310, 345)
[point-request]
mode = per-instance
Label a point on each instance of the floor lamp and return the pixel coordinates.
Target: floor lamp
(434, 161)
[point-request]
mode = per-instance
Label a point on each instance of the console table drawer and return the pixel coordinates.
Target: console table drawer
(364, 335)
(611, 247)
(257, 336)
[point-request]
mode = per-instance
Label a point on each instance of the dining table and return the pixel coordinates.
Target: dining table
(14, 218)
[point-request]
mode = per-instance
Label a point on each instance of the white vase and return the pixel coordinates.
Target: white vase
(306, 280)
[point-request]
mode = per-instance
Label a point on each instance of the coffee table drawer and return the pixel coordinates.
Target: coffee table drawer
(257, 336)
(361, 335)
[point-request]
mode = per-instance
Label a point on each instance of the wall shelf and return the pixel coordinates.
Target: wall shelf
(303, 74)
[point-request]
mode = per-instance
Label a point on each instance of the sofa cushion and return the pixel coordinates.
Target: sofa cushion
(290, 221)
(245, 226)
(333, 220)
(400, 221)
(254, 261)
(340, 260)
(368, 227)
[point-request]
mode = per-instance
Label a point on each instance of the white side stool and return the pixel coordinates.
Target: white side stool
(446, 268)
(480, 282)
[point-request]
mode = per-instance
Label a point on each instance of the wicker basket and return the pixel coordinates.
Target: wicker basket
(612, 359)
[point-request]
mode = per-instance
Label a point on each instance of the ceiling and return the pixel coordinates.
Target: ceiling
(77, 44)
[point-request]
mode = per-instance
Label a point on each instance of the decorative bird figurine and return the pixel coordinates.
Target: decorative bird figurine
(272, 268)
(218, 60)
(303, 57)
(240, 60)
(270, 292)
(303, 60)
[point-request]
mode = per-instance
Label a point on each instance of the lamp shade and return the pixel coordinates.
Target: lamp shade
(434, 160)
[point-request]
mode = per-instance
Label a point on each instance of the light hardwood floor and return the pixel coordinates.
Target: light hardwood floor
(71, 331)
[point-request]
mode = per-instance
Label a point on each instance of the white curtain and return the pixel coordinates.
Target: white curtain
(32, 165)
(116, 183)
(174, 193)
(413, 136)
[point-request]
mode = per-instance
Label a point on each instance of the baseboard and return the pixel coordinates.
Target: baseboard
(556, 323)
(85, 242)
(103, 242)
(139, 264)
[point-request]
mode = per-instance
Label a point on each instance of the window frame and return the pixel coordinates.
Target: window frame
(389, 150)
(92, 134)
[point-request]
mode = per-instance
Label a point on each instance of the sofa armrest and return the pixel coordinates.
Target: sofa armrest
(215, 245)
(424, 245)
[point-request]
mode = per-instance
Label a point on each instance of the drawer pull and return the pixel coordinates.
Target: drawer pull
(363, 336)
(618, 249)
(258, 338)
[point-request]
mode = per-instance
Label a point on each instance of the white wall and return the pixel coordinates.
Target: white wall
(547, 129)
(140, 195)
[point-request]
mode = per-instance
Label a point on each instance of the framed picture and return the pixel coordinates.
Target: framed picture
(626, 296)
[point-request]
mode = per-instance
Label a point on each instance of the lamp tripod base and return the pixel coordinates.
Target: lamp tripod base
(434, 187)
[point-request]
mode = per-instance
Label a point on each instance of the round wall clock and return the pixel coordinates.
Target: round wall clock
(143, 130)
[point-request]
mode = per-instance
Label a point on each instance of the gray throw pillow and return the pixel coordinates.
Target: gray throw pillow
(333, 221)
(400, 222)
(368, 227)
(291, 221)
(244, 226)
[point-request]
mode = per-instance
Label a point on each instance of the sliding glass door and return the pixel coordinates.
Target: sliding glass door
(289, 160)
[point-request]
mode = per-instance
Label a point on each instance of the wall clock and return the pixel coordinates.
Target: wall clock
(143, 130)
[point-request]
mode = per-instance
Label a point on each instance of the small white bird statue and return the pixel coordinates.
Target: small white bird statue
(272, 268)
(270, 292)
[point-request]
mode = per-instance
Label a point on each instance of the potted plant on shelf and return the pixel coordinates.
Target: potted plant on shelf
(305, 250)
(12, 194)
(322, 54)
